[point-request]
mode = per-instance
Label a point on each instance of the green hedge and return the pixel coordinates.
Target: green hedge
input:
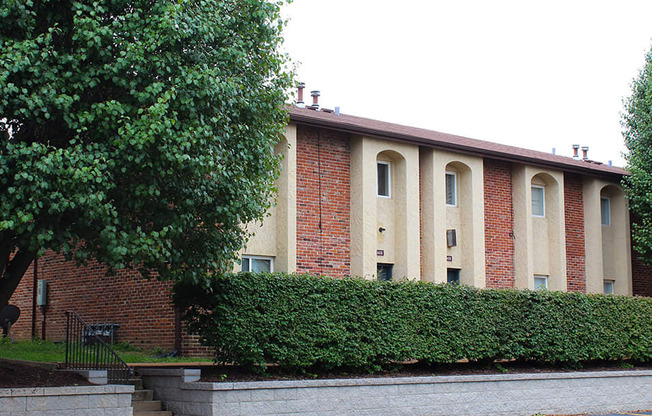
(299, 322)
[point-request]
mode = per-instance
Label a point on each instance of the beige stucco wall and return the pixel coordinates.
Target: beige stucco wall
(276, 236)
(467, 218)
(399, 214)
(540, 246)
(607, 247)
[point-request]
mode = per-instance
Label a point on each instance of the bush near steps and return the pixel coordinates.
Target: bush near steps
(302, 322)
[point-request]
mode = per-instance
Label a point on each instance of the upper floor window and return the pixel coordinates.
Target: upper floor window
(538, 201)
(540, 282)
(257, 264)
(384, 179)
(451, 189)
(605, 211)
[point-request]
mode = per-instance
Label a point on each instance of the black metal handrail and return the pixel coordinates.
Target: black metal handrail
(85, 350)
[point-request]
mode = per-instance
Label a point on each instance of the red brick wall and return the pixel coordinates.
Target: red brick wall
(574, 218)
(641, 273)
(326, 249)
(142, 307)
(641, 277)
(498, 224)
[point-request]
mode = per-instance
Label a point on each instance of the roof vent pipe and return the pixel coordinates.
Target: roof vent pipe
(300, 88)
(610, 163)
(315, 99)
(585, 152)
(576, 148)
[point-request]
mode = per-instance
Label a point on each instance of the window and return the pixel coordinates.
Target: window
(453, 276)
(605, 211)
(257, 264)
(384, 271)
(538, 201)
(609, 287)
(384, 181)
(540, 282)
(451, 189)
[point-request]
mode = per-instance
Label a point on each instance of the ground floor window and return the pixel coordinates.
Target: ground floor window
(384, 271)
(257, 264)
(453, 276)
(609, 287)
(540, 282)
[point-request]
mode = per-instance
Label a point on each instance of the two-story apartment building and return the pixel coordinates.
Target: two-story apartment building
(368, 198)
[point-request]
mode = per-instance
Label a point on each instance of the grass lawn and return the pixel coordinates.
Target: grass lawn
(45, 351)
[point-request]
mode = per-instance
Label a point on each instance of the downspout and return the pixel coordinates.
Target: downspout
(177, 331)
(34, 290)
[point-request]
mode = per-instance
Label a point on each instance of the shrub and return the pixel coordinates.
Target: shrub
(301, 322)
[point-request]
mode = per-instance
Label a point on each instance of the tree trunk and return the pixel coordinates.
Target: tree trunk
(13, 273)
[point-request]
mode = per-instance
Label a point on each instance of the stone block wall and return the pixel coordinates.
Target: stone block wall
(487, 395)
(109, 400)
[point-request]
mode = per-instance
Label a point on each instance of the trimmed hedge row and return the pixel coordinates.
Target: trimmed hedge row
(300, 321)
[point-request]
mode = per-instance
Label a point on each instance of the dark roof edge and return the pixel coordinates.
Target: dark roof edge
(454, 147)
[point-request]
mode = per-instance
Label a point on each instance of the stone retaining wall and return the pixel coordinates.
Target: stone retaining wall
(503, 394)
(110, 400)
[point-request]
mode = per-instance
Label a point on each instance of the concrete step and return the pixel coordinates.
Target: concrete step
(137, 383)
(147, 405)
(142, 395)
(152, 413)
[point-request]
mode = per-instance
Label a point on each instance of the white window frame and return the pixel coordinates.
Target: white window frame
(250, 258)
(545, 279)
(389, 179)
(543, 201)
(604, 198)
(606, 282)
(454, 176)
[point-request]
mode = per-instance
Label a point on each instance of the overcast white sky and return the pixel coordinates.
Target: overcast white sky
(533, 74)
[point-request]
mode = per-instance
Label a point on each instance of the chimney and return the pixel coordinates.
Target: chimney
(315, 99)
(585, 152)
(576, 148)
(300, 88)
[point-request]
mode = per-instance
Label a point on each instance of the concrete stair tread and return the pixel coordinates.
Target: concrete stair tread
(152, 413)
(142, 395)
(137, 383)
(147, 405)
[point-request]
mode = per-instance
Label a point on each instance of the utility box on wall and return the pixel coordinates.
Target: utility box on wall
(42, 292)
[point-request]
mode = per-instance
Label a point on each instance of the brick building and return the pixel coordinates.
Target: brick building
(368, 198)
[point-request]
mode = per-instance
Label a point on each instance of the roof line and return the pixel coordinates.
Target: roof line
(339, 124)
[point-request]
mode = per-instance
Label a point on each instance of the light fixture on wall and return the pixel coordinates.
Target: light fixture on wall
(451, 238)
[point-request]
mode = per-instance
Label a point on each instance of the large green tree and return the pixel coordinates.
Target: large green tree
(637, 123)
(137, 132)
